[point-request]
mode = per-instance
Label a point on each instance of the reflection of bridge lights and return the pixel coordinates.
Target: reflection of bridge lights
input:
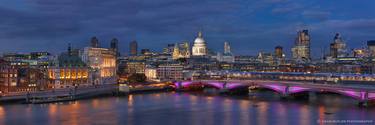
(321, 114)
(130, 100)
(263, 113)
(52, 109)
(95, 103)
(209, 100)
(2, 112)
(305, 114)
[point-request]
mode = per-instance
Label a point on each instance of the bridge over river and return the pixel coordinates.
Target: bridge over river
(362, 93)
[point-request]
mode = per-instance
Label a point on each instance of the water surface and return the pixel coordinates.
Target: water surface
(188, 109)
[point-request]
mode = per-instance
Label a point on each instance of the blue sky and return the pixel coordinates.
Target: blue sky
(249, 25)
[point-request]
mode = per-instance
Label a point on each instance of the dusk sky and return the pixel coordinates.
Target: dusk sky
(249, 25)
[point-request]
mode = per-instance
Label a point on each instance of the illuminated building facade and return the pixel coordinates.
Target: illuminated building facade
(199, 47)
(102, 64)
(135, 67)
(24, 72)
(338, 47)
(360, 52)
(301, 49)
(151, 73)
(68, 71)
(267, 58)
(170, 71)
(181, 50)
(8, 76)
(17, 76)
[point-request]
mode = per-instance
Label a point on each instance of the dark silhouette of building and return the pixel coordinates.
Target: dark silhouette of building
(337, 47)
(145, 51)
(371, 47)
(133, 48)
(114, 46)
(279, 52)
(94, 42)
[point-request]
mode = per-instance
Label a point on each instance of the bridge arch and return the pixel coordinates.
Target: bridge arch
(285, 89)
(217, 85)
(233, 86)
(357, 95)
(281, 89)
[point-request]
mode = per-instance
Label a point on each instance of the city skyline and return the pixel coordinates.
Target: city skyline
(187, 62)
(33, 25)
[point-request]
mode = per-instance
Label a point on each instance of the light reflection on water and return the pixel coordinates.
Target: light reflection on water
(186, 109)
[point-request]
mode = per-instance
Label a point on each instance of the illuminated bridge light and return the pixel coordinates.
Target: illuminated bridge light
(234, 85)
(277, 88)
(216, 84)
(371, 96)
(297, 89)
(353, 94)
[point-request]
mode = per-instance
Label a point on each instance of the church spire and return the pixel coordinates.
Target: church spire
(70, 49)
(176, 52)
(200, 34)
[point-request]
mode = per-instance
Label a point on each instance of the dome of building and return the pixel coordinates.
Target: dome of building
(199, 47)
(199, 39)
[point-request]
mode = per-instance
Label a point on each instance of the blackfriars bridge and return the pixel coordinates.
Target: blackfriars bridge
(362, 93)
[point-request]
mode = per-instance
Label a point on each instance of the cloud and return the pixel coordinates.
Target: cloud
(291, 7)
(353, 25)
(318, 15)
(248, 24)
(72, 20)
(275, 1)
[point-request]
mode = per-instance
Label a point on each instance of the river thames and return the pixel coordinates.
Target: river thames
(170, 108)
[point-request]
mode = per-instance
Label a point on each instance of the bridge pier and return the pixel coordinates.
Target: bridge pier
(364, 99)
(285, 94)
(27, 99)
(363, 103)
(312, 96)
(179, 86)
(251, 91)
(224, 91)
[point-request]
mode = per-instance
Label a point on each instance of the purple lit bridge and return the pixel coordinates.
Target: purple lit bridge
(361, 93)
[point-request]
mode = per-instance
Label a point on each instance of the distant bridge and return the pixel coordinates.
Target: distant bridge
(361, 93)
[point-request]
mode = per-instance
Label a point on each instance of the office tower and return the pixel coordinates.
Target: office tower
(94, 42)
(371, 47)
(114, 46)
(133, 48)
(301, 49)
(279, 52)
(337, 47)
(226, 48)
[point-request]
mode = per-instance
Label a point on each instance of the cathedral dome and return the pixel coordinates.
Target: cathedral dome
(199, 39)
(199, 47)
